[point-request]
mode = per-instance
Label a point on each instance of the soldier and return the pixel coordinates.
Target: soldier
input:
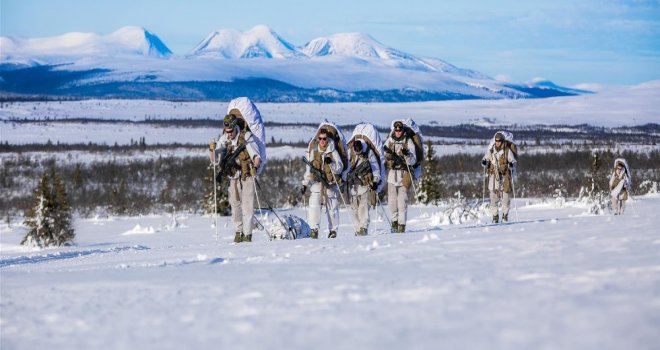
(322, 176)
(399, 157)
(620, 183)
(240, 171)
(499, 163)
(363, 177)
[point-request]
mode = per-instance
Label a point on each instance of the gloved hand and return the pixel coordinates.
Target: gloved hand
(405, 151)
(511, 164)
(374, 186)
(327, 160)
(485, 162)
(212, 146)
(303, 189)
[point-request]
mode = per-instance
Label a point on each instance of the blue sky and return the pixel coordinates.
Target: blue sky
(568, 42)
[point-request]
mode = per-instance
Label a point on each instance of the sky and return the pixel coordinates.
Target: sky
(569, 42)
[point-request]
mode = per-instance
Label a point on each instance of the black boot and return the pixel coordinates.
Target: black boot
(496, 218)
(314, 234)
(402, 228)
(332, 234)
(505, 217)
(238, 238)
(395, 227)
(247, 238)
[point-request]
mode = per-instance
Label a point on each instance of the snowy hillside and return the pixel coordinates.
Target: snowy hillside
(259, 41)
(344, 67)
(125, 41)
(556, 278)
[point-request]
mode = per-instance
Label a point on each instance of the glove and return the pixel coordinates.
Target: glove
(212, 146)
(374, 186)
(485, 162)
(303, 189)
(328, 160)
(511, 165)
(405, 151)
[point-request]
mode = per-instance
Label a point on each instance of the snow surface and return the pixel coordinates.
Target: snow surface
(555, 279)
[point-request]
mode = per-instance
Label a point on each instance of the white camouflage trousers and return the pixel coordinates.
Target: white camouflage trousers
(331, 207)
(360, 212)
(241, 199)
(618, 205)
(495, 197)
(397, 202)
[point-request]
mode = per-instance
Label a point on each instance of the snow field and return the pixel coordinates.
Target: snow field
(557, 278)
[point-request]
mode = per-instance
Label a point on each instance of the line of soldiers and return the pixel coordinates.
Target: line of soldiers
(324, 172)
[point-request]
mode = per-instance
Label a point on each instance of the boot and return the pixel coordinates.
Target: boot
(496, 219)
(237, 237)
(332, 234)
(314, 234)
(247, 238)
(362, 232)
(402, 228)
(505, 217)
(395, 227)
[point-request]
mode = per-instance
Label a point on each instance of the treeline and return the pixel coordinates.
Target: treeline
(143, 186)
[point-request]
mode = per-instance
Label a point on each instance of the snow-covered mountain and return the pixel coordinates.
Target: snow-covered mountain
(258, 42)
(258, 62)
(128, 40)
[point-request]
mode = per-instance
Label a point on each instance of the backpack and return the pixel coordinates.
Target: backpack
(412, 132)
(338, 138)
(368, 133)
(249, 119)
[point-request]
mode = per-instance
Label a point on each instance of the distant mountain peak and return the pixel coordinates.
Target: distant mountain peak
(258, 42)
(129, 40)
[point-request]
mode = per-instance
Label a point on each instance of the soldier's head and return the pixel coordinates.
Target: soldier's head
(230, 126)
(359, 147)
(398, 130)
(619, 166)
(499, 140)
(322, 137)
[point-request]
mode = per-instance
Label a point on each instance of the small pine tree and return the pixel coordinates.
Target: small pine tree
(430, 188)
(49, 219)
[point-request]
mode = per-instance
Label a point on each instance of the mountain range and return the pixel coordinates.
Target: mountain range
(135, 63)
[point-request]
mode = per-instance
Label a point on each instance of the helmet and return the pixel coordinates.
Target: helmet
(230, 121)
(499, 136)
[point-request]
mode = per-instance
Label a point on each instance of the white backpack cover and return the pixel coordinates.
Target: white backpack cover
(255, 123)
(369, 133)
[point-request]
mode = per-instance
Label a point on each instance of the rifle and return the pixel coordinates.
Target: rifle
(399, 161)
(355, 175)
(228, 163)
(318, 173)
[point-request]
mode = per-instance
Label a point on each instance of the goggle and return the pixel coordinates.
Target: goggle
(229, 131)
(323, 138)
(398, 130)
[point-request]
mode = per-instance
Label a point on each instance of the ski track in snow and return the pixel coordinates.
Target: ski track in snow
(556, 278)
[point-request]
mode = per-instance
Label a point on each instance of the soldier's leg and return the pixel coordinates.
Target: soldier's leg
(392, 200)
(355, 212)
(247, 205)
(364, 210)
(506, 203)
(235, 203)
(314, 210)
(402, 204)
(332, 205)
(615, 205)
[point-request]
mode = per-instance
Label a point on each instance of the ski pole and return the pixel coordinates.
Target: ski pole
(215, 191)
(350, 215)
(380, 205)
(513, 189)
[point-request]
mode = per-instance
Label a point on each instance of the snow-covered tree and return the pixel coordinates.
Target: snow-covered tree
(49, 218)
(430, 188)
